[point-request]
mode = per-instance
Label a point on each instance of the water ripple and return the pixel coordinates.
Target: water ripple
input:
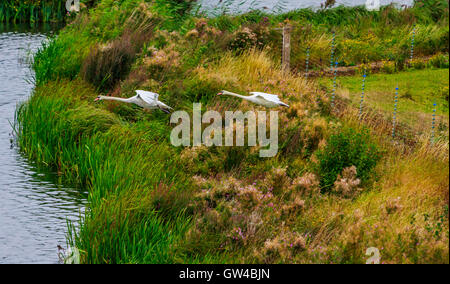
(34, 206)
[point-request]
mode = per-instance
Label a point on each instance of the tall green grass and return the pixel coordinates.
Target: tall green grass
(122, 165)
(32, 11)
(36, 11)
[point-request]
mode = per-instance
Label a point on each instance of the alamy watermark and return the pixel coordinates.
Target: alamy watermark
(235, 122)
(373, 5)
(73, 5)
(374, 255)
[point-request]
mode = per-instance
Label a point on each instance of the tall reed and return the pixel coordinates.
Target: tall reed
(32, 11)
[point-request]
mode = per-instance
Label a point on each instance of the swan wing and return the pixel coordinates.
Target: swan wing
(268, 97)
(147, 97)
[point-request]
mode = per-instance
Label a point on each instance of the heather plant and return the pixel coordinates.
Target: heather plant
(307, 185)
(247, 38)
(235, 211)
(347, 184)
(281, 249)
(230, 208)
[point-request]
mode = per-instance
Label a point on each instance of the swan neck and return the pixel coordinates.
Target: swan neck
(235, 95)
(107, 98)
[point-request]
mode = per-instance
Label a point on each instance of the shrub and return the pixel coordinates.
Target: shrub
(364, 68)
(418, 64)
(198, 90)
(400, 63)
(307, 185)
(345, 149)
(249, 37)
(439, 61)
(388, 67)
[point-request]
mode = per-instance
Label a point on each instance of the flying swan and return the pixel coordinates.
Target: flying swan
(263, 99)
(144, 99)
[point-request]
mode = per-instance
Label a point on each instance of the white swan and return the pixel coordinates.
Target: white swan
(263, 99)
(144, 99)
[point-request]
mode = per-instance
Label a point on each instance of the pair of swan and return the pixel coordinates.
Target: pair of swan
(149, 100)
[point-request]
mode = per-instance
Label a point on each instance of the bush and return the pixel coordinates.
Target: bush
(343, 150)
(439, 61)
(388, 67)
(418, 64)
(249, 37)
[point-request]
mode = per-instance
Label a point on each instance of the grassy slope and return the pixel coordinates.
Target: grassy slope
(418, 91)
(153, 203)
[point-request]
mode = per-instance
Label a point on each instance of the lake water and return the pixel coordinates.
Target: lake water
(283, 5)
(34, 205)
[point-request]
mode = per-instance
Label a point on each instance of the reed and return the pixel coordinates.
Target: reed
(33, 11)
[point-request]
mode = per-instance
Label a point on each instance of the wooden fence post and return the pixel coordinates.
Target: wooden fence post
(286, 56)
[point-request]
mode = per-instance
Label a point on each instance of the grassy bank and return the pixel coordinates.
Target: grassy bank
(335, 188)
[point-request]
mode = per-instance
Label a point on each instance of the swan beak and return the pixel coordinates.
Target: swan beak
(219, 94)
(96, 99)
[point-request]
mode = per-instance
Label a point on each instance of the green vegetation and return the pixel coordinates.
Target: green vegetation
(418, 91)
(345, 149)
(363, 36)
(150, 202)
(87, 145)
(35, 11)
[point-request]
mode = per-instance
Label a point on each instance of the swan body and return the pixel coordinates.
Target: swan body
(263, 99)
(144, 99)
